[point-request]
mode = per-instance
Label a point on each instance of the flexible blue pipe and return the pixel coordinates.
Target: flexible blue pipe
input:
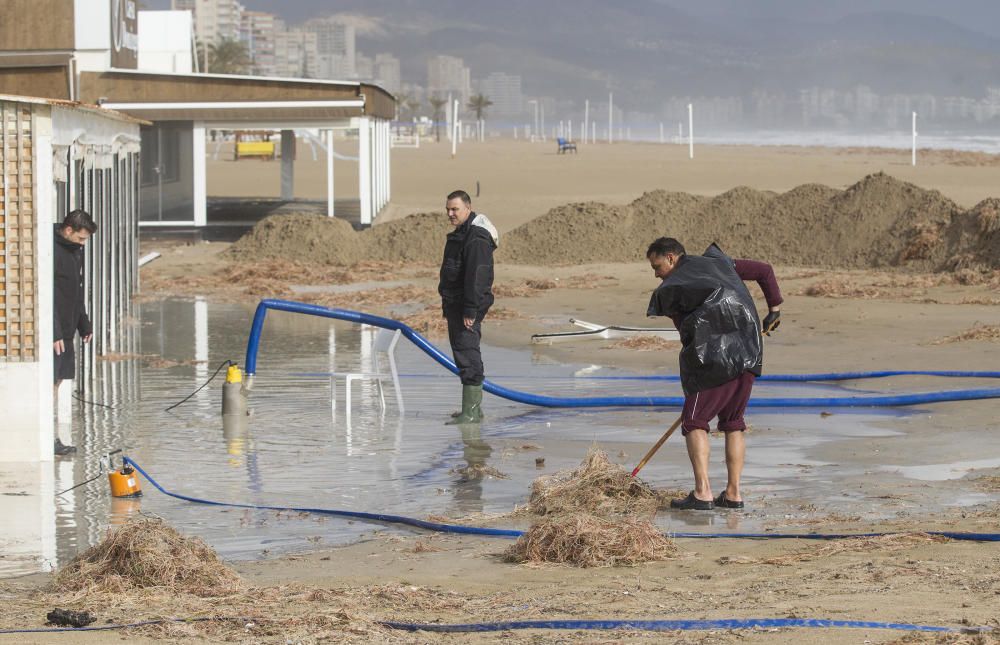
(674, 625)
(513, 533)
(253, 343)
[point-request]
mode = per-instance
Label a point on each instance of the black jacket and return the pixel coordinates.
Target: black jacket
(467, 268)
(69, 305)
(716, 318)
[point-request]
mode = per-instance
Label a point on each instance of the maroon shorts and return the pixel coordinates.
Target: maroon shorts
(727, 401)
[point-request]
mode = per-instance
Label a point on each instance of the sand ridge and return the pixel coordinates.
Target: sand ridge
(878, 222)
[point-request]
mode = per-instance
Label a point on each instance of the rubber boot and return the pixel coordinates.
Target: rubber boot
(472, 406)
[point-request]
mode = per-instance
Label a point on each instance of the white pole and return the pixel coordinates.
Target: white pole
(329, 173)
(593, 131)
(365, 170)
(586, 119)
(454, 126)
(913, 155)
(449, 120)
(542, 107)
(611, 98)
(690, 131)
(661, 132)
(680, 132)
(569, 129)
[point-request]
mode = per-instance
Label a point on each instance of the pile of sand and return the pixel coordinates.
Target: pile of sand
(878, 222)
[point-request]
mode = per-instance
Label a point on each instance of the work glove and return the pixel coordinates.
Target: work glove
(771, 322)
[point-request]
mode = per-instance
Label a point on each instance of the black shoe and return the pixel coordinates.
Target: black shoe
(63, 450)
(692, 503)
(724, 502)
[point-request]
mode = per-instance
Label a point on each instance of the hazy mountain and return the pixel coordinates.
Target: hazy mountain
(647, 50)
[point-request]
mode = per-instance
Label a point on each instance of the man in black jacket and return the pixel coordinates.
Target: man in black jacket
(69, 301)
(466, 295)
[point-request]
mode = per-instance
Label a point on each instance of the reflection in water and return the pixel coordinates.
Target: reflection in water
(468, 490)
(293, 451)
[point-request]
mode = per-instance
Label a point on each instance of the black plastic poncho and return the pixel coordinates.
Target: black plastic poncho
(716, 318)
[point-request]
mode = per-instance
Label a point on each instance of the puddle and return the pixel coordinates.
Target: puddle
(296, 450)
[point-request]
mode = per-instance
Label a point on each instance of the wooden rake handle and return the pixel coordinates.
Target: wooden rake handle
(652, 451)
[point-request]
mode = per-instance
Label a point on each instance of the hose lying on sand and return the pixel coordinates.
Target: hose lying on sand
(439, 527)
(253, 343)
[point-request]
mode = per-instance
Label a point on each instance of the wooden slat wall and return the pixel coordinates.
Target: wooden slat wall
(18, 284)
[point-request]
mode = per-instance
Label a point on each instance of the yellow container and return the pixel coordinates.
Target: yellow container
(124, 483)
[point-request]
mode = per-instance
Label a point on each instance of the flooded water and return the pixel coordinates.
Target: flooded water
(297, 449)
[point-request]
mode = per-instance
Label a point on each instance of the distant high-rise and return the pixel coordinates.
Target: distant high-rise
(295, 53)
(504, 90)
(448, 74)
(387, 73)
(214, 20)
(258, 32)
(335, 48)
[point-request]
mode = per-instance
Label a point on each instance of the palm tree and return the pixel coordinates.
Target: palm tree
(228, 56)
(414, 105)
(437, 105)
(478, 104)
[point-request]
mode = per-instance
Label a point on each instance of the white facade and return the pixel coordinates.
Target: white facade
(504, 90)
(387, 72)
(165, 42)
(62, 138)
(214, 20)
(449, 75)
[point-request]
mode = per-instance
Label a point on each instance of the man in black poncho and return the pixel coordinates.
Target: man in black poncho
(466, 289)
(721, 354)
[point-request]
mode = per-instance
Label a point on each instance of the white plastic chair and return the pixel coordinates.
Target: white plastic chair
(384, 343)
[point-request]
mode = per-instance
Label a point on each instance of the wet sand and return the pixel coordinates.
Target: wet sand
(463, 580)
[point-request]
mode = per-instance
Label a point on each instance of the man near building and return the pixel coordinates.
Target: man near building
(466, 288)
(69, 300)
(721, 352)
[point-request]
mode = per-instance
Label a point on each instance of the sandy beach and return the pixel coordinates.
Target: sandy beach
(909, 313)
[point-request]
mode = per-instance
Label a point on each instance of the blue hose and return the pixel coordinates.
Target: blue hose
(674, 625)
(513, 533)
(253, 343)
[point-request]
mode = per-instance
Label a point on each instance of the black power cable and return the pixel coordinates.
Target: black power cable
(224, 363)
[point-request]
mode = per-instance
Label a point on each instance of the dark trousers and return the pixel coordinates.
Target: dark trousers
(465, 347)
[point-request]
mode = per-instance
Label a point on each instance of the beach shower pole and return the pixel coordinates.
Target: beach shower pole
(586, 119)
(611, 100)
(913, 153)
(690, 131)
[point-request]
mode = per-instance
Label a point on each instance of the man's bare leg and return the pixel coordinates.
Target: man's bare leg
(736, 449)
(698, 451)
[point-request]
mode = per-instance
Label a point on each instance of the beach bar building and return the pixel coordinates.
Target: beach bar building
(89, 51)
